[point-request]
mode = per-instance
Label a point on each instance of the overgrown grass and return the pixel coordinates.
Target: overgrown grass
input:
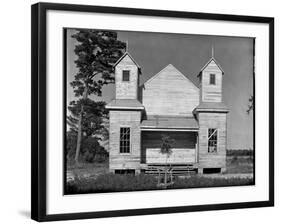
(90, 169)
(201, 181)
(111, 183)
(239, 164)
(95, 177)
(118, 183)
(240, 152)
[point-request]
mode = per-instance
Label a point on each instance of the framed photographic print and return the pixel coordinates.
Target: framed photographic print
(134, 106)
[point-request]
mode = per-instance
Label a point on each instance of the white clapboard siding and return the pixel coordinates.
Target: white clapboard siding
(178, 156)
(129, 89)
(212, 93)
(218, 121)
(129, 119)
(170, 93)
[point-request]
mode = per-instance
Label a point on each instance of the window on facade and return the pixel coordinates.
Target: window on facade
(212, 79)
(126, 76)
(125, 140)
(212, 140)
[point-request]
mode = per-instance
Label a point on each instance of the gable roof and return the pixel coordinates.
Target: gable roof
(211, 59)
(165, 68)
(123, 56)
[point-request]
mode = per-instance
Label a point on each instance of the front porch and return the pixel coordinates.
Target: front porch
(184, 156)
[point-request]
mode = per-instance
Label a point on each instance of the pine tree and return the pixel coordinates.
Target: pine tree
(97, 51)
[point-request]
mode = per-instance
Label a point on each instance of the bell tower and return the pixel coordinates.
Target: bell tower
(127, 73)
(212, 119)
(125, 113)
(211, 81)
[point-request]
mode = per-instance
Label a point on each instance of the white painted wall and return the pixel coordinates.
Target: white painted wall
(211, 92)
(169, 92)
(126, 89)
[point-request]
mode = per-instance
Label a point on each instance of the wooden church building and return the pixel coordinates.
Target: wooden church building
(168, 103)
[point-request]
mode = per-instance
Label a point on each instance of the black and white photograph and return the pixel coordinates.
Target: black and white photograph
(139, 111)
(134, 111)
(157, 111)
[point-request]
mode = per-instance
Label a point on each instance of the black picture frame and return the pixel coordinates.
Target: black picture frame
(39, 122)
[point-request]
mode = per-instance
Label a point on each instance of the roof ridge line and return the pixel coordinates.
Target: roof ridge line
(178, 71)
(120, 59)
(208, 62)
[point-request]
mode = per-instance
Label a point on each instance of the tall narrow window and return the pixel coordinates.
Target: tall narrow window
(212, 79)
(212, 140)
(126, 76)
(125, 140)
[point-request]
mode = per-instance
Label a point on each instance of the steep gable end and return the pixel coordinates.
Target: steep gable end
(212, 64)
(171, 71)
(126, 57)
(169, 92)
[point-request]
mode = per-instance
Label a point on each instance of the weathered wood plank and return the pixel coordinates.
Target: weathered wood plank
(218, 121)
(170, 93)
(120, 119)
(180, 156)
(128, 89)
(211, 93)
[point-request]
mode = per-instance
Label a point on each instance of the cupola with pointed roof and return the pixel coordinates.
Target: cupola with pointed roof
(127, 73)
(211, 81)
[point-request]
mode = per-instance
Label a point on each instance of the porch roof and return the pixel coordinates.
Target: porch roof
(169, 122)
(212, 106)
(126, 104)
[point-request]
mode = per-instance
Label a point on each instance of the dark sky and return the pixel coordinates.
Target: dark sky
(189, 53)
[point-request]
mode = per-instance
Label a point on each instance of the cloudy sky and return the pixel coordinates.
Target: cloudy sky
(189, 53)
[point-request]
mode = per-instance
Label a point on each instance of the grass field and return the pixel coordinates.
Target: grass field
(87, 170)
(239, 164)
(95, 177)
(115, 183)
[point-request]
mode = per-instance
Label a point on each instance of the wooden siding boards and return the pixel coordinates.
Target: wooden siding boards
(211, 93)
(178, 156)
(206, 121)
(211, 113)
(170, 93)
(119, 119)
(126, 89)
(183, 151)
(170, 101)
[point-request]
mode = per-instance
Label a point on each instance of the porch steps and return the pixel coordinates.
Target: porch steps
(172, 169)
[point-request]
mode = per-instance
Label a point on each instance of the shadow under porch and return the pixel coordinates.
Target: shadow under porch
(184, 151)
